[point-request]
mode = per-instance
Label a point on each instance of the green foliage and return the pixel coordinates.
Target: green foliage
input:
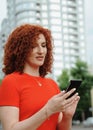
(0, 81)
(80, 71)
(63, 79)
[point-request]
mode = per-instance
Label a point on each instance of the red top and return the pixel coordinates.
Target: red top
(23, 91)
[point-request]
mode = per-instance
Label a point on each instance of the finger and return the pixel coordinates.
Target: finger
(69, 93)
(61, 93)
(72, 98)
(75, 101)
(77, 98)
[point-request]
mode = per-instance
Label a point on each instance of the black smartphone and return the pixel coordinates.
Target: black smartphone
(75, 83)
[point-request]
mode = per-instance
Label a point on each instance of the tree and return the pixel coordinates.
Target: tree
(80, 71)
(63, 79)
(0, 81)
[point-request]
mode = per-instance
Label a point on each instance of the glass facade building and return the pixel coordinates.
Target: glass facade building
(65, 19)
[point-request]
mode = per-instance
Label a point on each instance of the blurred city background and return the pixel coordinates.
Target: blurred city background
(71, 24)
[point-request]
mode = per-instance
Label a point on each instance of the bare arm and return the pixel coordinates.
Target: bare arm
(10, 115)
(65, 124)
(10, 119)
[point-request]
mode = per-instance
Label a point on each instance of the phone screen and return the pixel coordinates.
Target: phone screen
(74, 84)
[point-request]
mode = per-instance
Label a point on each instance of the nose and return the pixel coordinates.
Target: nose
(40, 49)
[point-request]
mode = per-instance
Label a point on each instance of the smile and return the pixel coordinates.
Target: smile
(40, 58)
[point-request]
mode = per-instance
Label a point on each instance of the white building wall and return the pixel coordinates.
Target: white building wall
(65, 18)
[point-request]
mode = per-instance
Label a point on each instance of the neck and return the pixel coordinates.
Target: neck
(34, 71)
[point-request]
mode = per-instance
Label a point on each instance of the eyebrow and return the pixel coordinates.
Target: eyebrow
(44, 42)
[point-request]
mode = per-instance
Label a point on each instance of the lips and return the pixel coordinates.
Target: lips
(40, 57)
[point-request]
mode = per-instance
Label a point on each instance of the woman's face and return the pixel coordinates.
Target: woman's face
(37, 56)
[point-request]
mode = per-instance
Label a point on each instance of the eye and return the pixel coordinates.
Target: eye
(43, 44)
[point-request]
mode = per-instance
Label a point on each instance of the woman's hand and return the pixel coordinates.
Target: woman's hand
(60, 103)
(65, 117)
(71, 108)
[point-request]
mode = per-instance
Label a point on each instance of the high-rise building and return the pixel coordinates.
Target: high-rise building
(3, 36)
(65, 19)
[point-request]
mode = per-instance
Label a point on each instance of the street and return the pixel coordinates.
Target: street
(78, 128)
(81, 128)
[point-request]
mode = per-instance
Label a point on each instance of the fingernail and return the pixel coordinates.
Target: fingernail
(63, 91)
(74, 89)
(76, 93)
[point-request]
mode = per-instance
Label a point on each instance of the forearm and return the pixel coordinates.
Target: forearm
(31, 123)
(64, 124)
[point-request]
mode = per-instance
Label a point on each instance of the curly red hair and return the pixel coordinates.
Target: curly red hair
(20, 43)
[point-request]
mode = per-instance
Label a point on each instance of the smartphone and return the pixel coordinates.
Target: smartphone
(75, 83)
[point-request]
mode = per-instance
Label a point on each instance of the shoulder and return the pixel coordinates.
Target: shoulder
(53, 83)
(9, 78)
(9, 91)
(12, 77)
(9, 82)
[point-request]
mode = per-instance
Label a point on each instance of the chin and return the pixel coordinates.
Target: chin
(40, 64)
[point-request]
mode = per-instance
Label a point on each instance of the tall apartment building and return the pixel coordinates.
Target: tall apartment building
(65, 19)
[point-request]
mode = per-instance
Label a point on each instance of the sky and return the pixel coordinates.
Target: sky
(88, 25)
(89, 29)
(3, 12)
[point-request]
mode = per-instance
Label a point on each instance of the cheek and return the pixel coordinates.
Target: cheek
(46, 51)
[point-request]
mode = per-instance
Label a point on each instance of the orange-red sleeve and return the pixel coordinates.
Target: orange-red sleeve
(55, 85)
(9, 95)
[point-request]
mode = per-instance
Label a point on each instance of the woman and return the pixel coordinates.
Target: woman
(29, 100)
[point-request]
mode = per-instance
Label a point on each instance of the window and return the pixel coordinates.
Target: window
(58, 49)
(64, 2)
(44, 21)
(66, 44)
(80, 9)
(80, 16)
(57, 35)
(67, 58)
(72, 37)
(44, 14)
(80, 1)
(55, 1)
(81, 23)
(64, 16)
(64, 9)
(66, 51)
(56, 28)
(57, 64)
(65, 30)
(71, 16)
(71, 9)
(55, 21)
(67, 66)
(58, 57)
(54, 7)
(65, 23)
(81, 30)
(58, 43)
(82, 44)
(65, 37)
(55, 14)
(82, 37)
(44, 7)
